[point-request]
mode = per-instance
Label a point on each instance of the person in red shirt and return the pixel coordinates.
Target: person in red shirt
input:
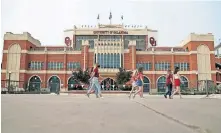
(95, 81)
(169, 81)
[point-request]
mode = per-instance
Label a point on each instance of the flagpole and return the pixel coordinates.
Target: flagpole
(122, 17)
(110, 17)
(98, 18)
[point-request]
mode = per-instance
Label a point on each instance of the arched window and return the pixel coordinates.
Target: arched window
(34, 84)
(54, 84)
(161, 84)
(108, 84)
(146, 87)
(185, 82)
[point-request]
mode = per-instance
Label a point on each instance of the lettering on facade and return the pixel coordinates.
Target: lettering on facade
(110, 32)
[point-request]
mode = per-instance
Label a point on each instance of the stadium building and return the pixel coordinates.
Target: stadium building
(25, 60)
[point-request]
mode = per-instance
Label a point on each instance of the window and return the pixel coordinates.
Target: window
(162, 66)
(73, 65)
(185, 84)
(109, 60)
(146, 66)
(35, 65)
(55, 65)
(184, 66)
(89, 38)
(140, 41)
(161, 84)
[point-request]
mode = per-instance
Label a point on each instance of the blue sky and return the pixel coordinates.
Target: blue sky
(46, 19)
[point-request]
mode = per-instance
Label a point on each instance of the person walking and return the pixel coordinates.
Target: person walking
(90, 88)
(134, 84)
(95, 81)
(140, 83)
(176, 81)
(169, 80)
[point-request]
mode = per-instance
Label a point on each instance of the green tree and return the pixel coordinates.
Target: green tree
(81, 76)
(123, 76)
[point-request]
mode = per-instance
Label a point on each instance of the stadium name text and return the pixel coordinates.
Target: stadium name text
(110, 32)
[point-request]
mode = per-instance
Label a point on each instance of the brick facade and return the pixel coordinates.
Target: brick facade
(86, 59)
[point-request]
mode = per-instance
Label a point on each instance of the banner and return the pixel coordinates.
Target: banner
(152, 38)
(68, 38)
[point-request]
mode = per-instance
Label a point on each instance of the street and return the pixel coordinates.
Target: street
(112, 114)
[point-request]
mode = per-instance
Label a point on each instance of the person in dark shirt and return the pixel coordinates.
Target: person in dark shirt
(95, 82)
(169, 80)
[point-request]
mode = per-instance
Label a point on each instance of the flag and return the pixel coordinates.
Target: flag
(110, 16)
(122, 17)
(98, 16)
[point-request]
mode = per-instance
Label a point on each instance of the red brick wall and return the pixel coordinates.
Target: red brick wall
(4, 60)
(192, 46)
(24, 44)
(90, 59)
(127, 60)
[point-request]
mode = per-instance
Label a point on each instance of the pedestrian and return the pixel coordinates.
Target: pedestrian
(176, 81)
(95, 81)
(140, 83)
(134, 84)
(169, 80)
(90, 88)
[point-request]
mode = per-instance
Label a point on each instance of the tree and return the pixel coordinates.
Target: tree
(81, 76)
(123, 76)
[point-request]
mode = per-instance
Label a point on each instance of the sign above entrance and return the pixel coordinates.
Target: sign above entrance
(110, 32)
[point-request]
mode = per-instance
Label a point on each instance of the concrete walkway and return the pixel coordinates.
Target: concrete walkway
(112, 114)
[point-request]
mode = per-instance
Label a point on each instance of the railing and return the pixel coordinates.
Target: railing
(18, 87)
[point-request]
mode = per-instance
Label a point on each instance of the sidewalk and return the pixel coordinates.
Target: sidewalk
(216, 96)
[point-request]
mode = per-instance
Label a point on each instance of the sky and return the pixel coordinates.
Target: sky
(47, 19)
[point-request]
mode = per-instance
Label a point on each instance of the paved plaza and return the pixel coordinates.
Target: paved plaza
(112, 114)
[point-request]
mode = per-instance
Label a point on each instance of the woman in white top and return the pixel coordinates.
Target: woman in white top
(176, 82)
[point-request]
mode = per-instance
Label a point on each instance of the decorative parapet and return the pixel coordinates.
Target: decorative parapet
(25, 36)
(197, 37)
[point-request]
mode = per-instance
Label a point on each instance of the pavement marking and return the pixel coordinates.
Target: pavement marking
(193, 127)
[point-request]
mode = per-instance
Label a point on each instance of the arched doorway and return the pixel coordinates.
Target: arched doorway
(146, 87)
(54, 84)
(161, 84)
(108, 84)
(185, 84)
(34, 84)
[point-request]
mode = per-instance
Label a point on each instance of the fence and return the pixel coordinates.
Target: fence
(20, 87)
(204, 87)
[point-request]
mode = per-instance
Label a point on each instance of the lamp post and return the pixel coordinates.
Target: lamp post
(9, 80)
(197, 80)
